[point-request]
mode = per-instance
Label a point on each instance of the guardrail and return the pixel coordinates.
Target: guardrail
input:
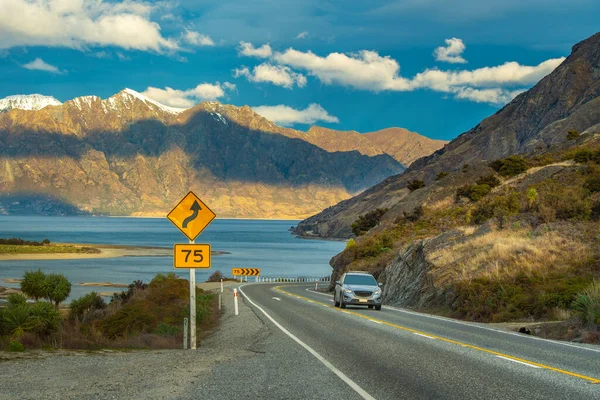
(287, 279)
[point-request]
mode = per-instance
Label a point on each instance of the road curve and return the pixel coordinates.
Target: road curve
(394, 354)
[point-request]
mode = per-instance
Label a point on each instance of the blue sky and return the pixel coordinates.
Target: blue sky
(433, 66)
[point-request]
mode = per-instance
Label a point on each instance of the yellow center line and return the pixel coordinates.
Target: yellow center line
(562, 371)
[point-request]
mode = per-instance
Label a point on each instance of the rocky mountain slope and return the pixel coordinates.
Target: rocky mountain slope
(129, 155)
(405, 146)
(535, 121)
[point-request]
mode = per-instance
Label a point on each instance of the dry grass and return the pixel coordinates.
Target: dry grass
(443, 204)
(505, 253)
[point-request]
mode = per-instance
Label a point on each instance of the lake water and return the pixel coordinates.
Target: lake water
(252, 243)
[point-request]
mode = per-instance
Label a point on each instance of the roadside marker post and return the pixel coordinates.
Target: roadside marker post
(316, 285)
(185, 333)
(191, 216)
(221, 285)
(235, 301)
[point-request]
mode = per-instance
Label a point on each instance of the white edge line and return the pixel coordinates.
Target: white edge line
(519, 362)
(420, 334)
(333, 369)
(476, 326)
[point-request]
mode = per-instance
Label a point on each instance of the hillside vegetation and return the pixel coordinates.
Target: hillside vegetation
(512, 239)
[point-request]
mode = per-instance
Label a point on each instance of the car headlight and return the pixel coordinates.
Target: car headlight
(377, 291)
(347, 291)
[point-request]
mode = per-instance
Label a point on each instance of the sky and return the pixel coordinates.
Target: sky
(436, 67)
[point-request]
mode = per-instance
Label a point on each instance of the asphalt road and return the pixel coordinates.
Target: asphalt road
(395, 354)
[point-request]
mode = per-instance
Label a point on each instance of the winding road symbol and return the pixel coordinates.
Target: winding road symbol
(195, 208)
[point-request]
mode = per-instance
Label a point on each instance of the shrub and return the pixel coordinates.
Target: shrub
(80, 307)
(510, 166)
(572, 134)
(350, 244)
(215, 276)
(34, 284)
(46, 241)
(46, 317)
(415, 184)
(16, 346)
(592, 183)
(441, 175)
(16, 299)
(584, 155)
(499, 207)
(532, 196)
(366, 222)
(473, 192)
(415, 215)
(491, 180)
(166, 330)
(18, 320)
(587, 304)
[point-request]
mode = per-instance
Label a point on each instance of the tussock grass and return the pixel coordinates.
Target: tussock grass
(505, 253)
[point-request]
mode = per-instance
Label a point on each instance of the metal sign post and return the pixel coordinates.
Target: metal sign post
(192, 307)
(191, 216)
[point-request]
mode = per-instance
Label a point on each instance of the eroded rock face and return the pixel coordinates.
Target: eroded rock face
(537, 120)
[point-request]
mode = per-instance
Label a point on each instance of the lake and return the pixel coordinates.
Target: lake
(264, 244)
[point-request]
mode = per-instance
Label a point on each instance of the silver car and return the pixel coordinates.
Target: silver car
(357, 289)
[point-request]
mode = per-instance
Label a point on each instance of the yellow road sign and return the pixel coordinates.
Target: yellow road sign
(245, 271)
(191, 256)
(191, 216)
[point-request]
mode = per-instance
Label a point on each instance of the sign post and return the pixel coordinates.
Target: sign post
(191, 216)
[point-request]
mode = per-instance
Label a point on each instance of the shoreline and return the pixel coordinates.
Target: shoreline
(105, 251)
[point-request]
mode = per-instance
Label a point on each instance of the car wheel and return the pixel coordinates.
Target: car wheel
(335, 302)
(378, 308)
(342, 304)
(370, 307)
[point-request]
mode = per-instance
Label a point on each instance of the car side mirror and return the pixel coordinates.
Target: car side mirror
(338, 283)
(380, 284)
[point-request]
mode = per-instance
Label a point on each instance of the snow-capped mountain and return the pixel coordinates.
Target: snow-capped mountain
(27, 102)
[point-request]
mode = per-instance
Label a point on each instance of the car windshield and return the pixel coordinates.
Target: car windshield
(359, 280)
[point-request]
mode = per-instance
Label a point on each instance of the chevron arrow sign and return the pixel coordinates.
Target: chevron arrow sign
(245, 271)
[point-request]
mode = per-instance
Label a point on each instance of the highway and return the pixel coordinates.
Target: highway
(395, 354)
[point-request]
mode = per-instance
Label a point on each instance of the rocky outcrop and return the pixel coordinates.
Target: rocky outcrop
(535, 121)
(405, 146)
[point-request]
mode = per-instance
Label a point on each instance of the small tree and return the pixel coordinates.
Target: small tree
(441, 175)
(215, 277)
(34, 284)
(58, 289)
(365, 222)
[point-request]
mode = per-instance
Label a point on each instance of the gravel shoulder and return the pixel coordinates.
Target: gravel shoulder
(151, 374)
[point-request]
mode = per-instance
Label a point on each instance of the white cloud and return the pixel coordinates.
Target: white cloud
(197, 39)
(122, 56)
(40, 65)
(302, 35)
(278, 75)
(452, 52)
(78, 24)
(190, 97)
(286, 116)
(367, 70)
(248, 50)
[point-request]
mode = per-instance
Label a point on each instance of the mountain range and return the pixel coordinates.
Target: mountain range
(130, 155)
(535, 122)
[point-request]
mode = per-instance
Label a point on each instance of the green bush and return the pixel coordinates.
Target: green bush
(572, 134)
(473, 192)
(510, 166)
(80, 307)
(16, 299)
(350, 244)
(46, 317)
(491, 180)
(499, 207)
(584, 155)
(16, 346)
(441, 175)
(587, 303)
(366, 222)
(415, 184)
(58, 288)
(592, 183)
(167, 330)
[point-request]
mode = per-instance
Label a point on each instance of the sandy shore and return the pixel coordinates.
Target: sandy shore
(106, 251)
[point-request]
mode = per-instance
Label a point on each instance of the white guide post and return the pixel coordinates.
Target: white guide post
(221, 285)
(192, 306)
(316, 285)
(235, 301)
